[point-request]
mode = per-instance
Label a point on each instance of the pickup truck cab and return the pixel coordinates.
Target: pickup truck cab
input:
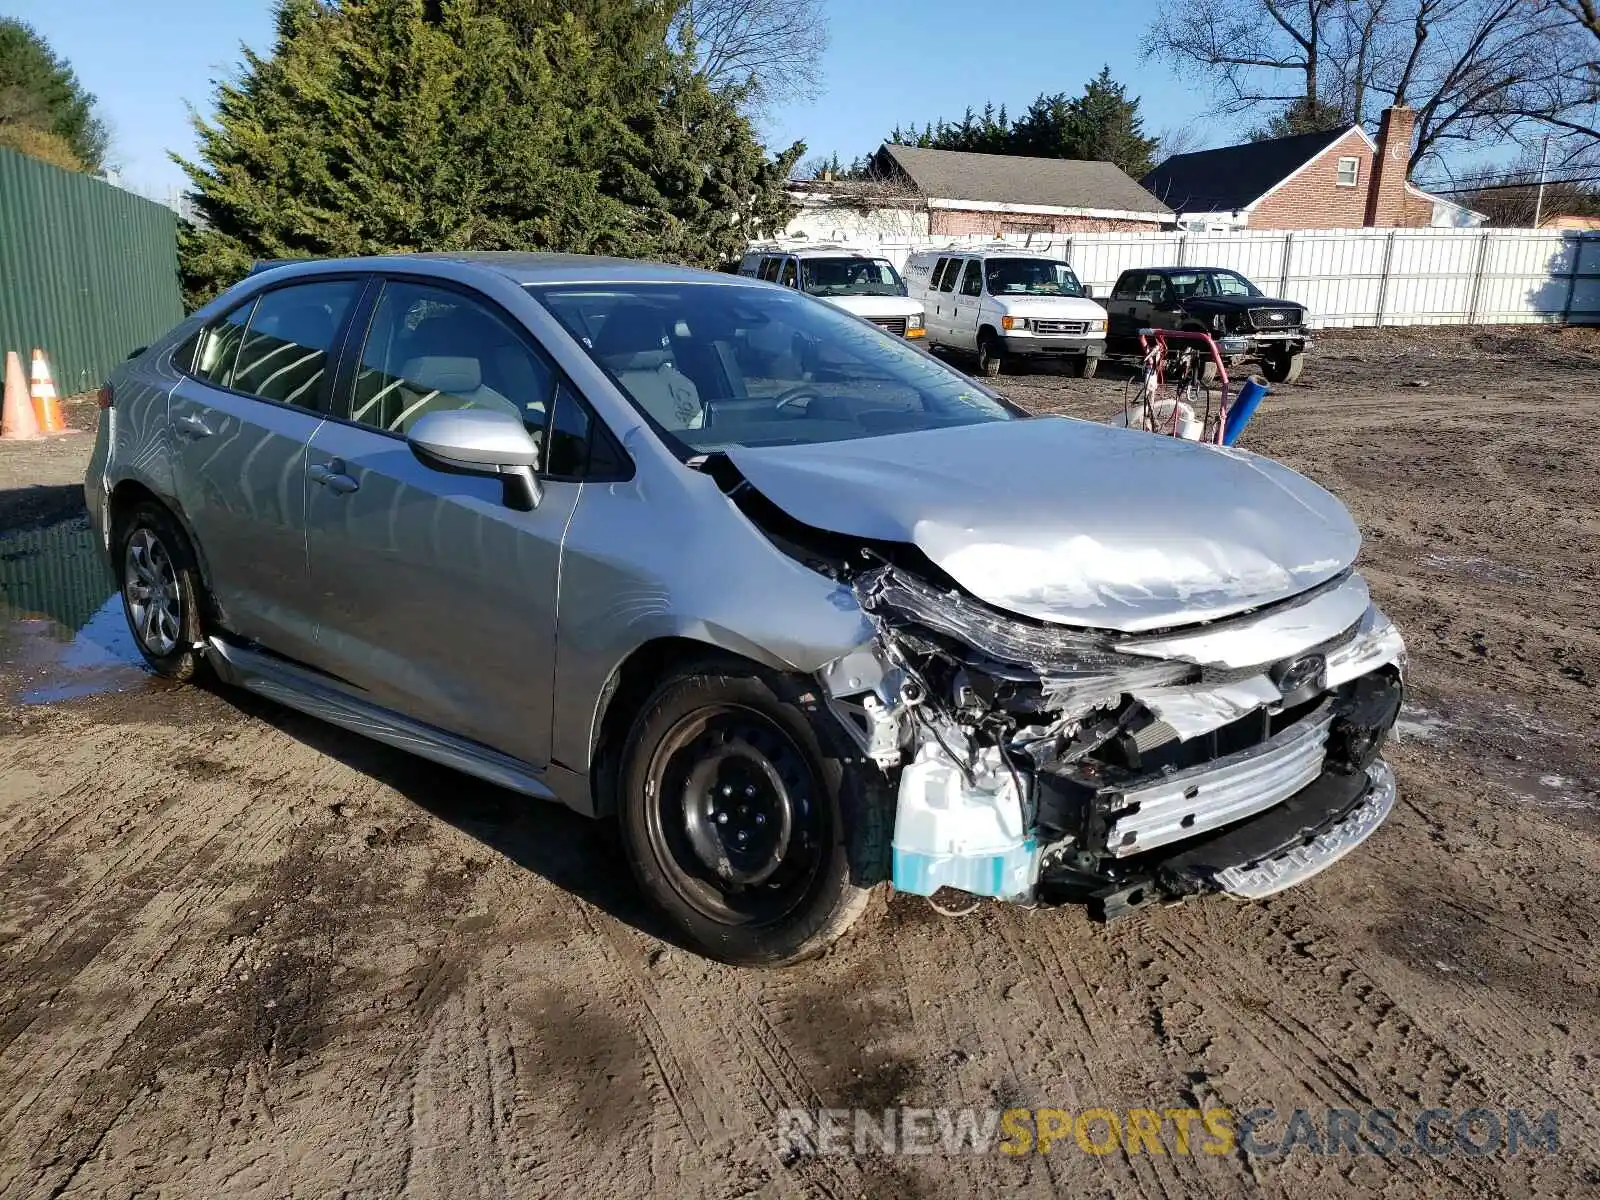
(1006, 304)
(1249, 325)
(859, 283)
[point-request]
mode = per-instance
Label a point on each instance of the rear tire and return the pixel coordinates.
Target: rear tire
(1284, 368)
(991, 358)
(742, 819)
(159, 580)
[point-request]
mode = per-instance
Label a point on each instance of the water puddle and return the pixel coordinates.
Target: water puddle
(62, 631)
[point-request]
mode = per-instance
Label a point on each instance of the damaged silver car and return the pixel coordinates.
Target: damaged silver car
(804, 608)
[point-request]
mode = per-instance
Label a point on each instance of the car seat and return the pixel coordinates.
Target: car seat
(633, 345)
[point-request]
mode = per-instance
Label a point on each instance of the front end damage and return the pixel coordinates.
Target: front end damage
(1038, 762)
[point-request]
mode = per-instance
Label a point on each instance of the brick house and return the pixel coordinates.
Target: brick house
(948, 193)
(1332, 180)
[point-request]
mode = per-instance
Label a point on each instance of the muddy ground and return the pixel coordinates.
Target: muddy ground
(243, 954)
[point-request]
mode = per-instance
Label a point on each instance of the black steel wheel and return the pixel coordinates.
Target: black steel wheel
(742, 820)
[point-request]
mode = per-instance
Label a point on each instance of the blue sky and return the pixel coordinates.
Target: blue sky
(149, 60)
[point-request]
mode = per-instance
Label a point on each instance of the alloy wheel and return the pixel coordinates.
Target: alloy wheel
(150, 587)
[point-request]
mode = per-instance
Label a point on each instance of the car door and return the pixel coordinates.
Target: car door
(966, 315)
(252, 397)
(433, 596)
(1121, 331)
(933, 304)
(944, 302)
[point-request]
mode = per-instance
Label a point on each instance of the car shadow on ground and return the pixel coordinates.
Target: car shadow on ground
(575, 853)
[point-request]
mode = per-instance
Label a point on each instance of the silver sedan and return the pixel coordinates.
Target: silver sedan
(801, 607)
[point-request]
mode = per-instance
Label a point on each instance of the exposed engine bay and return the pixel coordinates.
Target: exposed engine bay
(1039, 762)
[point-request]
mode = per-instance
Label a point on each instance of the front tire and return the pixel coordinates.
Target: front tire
(990, 355)
(160, 586)
(1284, 368)
(1085, 367)
(742, 820)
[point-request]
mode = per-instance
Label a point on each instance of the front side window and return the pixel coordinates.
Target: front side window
(787, 279)
(719, 365)
(972, 281)
(431, 349)
(287, 348)
(1031, 277)
(850, 276)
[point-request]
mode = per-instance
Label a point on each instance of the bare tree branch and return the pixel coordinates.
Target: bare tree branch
(1474, 70)
(763, 48)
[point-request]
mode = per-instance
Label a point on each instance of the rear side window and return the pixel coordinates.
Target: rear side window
(291, 338)
(1127, 286)
(431, 349)
(218, 349)
(938, 274)
(769, 269)
(951, 270)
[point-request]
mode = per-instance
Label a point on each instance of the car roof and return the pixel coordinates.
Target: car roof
(520, 267)
(814, 252)
(1176, 270)
(992, 251)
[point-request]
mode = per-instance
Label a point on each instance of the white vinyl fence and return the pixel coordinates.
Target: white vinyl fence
(1350, 277)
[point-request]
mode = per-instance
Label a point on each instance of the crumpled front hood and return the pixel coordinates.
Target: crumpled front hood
(1073, 522)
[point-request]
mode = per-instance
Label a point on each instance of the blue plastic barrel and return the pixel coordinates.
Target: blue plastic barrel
(1244, 407)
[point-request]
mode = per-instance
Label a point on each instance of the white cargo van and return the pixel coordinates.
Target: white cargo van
(1006, 304)
(853, 280)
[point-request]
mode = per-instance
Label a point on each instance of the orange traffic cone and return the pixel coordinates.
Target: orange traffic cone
(17, 420)
(42, 390)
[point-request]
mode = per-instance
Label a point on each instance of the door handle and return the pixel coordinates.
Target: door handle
(331, 475)
(192, 425)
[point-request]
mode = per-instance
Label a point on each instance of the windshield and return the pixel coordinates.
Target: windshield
(715, 365)
(1030, 277)
(845, 276)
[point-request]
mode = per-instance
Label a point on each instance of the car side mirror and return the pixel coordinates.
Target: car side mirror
(1088, 291)
(481, 441)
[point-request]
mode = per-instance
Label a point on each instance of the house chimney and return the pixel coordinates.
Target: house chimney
(1386, 189)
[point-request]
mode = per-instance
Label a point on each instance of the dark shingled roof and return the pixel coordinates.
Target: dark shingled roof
(1009, 179)
(1232, 177)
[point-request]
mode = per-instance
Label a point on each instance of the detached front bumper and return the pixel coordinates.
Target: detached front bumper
(1279, 849)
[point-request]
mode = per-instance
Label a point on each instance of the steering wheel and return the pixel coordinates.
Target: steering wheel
(794, 395)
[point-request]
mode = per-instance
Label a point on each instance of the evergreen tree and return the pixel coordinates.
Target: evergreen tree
(44, 110)
(397, 125)
(1302, 116)
(1103, 123)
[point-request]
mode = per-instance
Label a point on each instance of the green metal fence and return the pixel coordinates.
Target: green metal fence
(88, 272)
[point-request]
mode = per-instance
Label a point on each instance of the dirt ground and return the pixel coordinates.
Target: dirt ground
(243, 954)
